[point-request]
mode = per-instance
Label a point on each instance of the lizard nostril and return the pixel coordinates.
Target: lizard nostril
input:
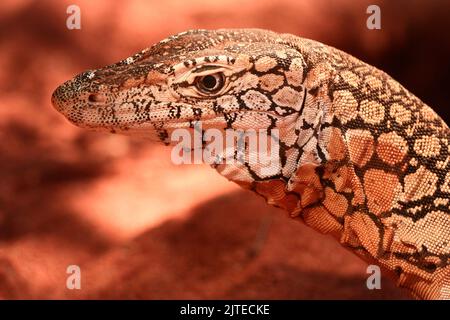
(96, 98)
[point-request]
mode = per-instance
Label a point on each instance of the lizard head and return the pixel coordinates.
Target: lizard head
(233, 79)
(227, 79)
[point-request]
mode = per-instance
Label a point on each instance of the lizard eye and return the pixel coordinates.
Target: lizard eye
(211, 83)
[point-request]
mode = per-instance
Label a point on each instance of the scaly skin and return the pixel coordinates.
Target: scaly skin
(361, 158)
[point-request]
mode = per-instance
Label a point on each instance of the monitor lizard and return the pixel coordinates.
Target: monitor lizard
(360, 157)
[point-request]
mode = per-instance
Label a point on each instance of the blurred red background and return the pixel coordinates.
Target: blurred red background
(139, 226)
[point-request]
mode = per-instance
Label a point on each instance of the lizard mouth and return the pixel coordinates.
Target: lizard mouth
(86, 107)
(92, 111)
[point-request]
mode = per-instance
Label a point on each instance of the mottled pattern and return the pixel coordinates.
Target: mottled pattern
(360, 157)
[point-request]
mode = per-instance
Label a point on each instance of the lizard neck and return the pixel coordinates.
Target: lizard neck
(375, 177)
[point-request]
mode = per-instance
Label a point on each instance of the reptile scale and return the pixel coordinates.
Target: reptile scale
(360, 157)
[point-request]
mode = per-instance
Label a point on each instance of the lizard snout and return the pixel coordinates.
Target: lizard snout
(58, 98)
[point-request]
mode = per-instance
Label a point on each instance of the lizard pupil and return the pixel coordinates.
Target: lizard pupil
(210, 83)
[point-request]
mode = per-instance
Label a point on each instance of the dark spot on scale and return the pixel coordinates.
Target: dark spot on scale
(112, 131)
(398, 271)
(429, 266)
(313, 91)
